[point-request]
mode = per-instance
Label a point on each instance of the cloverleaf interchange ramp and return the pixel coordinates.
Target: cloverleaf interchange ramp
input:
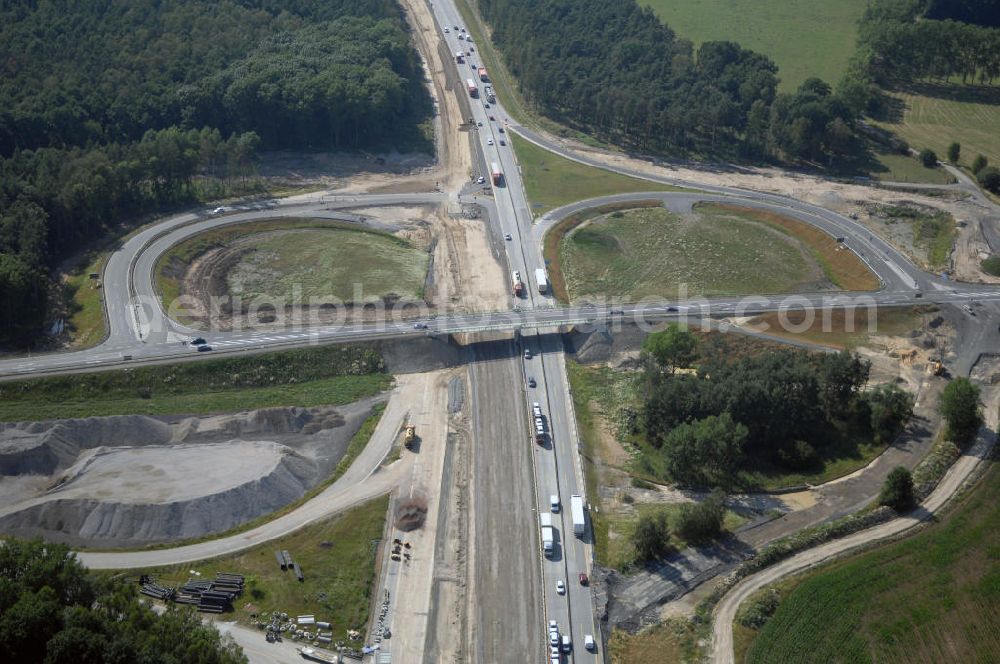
(140, 332)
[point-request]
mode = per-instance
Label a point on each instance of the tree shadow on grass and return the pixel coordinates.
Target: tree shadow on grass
(972, 94)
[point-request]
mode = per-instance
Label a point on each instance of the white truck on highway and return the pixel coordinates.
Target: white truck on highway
(542, 280)
(548, 533)
(579, 515)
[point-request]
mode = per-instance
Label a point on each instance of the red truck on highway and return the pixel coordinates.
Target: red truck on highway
(482, 75)
(473, 90)
(515, 278)
(496, 173)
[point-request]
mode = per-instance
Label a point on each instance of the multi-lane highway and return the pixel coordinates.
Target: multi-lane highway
(555, 467)
(141, 331)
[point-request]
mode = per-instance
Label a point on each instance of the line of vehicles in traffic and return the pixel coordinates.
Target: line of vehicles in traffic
(517, 285)
(559, 644)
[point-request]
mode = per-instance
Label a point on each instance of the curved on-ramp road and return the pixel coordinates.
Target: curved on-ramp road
(725, 612)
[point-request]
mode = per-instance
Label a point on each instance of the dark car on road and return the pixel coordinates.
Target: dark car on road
(204, 348)
(198, 342)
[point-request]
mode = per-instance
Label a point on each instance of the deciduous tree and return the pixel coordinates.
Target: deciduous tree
(961, 409)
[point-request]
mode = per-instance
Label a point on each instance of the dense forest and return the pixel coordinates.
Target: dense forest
(980, 12)
(777, 409)
(899, 43)
(117, 108)
(615, 70)
(53, 611)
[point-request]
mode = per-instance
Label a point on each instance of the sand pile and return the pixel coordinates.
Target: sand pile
(130, 480)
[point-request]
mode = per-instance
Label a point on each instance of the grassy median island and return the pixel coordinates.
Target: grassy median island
(309, 377)
(551, 181)
(289, 258)
(933, 597)
(337, 557)
(715, 250)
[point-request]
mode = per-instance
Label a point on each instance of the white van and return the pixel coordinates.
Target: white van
(554, 500)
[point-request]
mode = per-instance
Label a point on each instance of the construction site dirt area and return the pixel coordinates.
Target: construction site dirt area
(132, 480)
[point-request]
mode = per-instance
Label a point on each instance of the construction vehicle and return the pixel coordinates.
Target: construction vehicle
(409, 436)
(936, 368)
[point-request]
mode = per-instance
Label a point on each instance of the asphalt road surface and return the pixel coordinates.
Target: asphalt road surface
(140, 332)
(506, 583)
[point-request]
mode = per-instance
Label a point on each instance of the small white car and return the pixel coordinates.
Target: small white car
(447, 30)
(489, 141)
(218, 210)
(507, 237)
(561, 589)
(480, 180)
(567, 643)
(554, 639)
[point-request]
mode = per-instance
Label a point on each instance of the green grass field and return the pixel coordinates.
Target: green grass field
(551, 181)
(804, 37)
(654, 253)
(902, 168)
(337, 557)
(941, 115)
(933, 597)
(307, 377)
(86, 323)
